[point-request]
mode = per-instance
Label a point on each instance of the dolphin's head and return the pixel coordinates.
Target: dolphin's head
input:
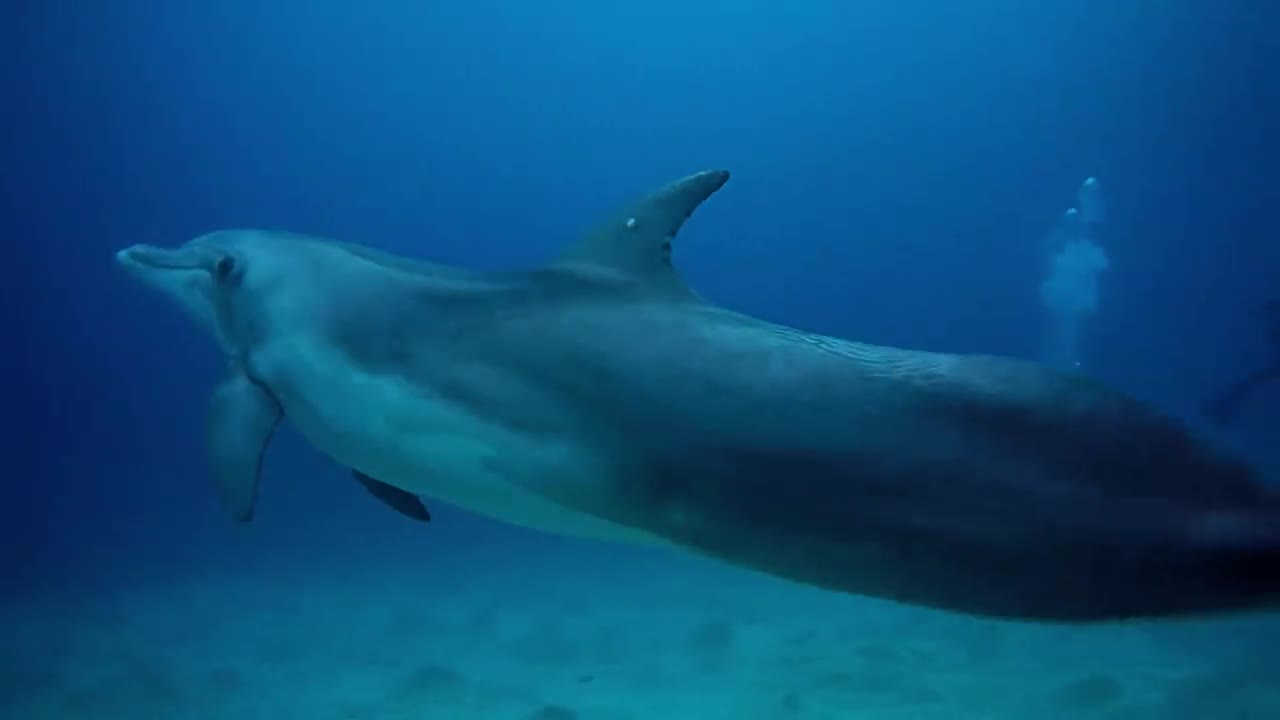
(204, 275)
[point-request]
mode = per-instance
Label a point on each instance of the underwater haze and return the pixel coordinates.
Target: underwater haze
(904, 173)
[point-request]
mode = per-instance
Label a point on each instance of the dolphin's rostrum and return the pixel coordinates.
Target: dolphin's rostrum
(599, 396)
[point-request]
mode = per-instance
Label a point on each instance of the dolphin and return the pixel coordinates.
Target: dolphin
(599, 396)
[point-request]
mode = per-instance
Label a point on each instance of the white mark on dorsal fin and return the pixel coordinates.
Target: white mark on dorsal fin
(636, 242)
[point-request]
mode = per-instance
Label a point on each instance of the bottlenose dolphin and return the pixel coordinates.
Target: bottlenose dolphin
(600, 396)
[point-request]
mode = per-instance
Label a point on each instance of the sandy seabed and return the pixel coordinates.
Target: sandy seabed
(590, 633)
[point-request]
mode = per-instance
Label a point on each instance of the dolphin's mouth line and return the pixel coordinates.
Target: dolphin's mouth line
(152, 258)
(184, 258)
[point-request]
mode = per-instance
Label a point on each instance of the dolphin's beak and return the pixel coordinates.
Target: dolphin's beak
(187, 257)
(149, 265)
(174, 270)
(137, 261)
(182, 274)
(126, 259)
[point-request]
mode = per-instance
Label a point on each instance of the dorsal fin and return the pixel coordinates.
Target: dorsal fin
(637, 241)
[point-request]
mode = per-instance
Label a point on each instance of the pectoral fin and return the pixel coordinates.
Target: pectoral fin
(402, 501)
(242, 416)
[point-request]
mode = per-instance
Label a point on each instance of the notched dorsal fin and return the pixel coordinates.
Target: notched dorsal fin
(637, 242)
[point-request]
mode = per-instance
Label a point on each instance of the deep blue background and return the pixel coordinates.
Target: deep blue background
(895, 167)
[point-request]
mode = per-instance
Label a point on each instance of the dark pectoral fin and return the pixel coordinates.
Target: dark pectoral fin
(402, 501)
(242, 416)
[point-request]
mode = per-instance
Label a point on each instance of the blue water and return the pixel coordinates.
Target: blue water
(896, 170)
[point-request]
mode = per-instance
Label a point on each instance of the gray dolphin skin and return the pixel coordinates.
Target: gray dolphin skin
(598, 396)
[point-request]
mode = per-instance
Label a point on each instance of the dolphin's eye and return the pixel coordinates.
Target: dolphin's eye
(226, 265)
